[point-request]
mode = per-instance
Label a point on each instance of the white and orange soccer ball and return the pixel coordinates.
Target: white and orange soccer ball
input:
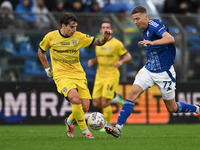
(96, 120)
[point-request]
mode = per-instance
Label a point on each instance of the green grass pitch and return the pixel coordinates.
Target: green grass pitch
(134, 137)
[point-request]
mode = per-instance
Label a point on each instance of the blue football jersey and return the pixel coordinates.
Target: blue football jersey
(159, 57)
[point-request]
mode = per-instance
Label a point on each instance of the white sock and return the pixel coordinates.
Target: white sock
(85, 131)
(197, 110)
(69, 122)
(119, 127)
(115, 100)
(107, 124)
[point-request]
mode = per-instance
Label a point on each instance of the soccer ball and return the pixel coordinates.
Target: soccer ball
(96, 120)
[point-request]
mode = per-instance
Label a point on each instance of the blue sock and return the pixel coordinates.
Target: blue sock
(183, 107)
(125, 112)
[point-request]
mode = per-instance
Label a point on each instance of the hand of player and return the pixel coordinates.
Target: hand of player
(91, 62)
(107, 34)
(118, 64)
(49, 72)
(145, 43)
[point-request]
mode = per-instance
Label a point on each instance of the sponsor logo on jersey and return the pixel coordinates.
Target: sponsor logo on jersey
(102, 55)
(65, 51)
(76, 60)
(65, 43)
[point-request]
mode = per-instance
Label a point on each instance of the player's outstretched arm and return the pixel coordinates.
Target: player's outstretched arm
(44, 62)
(104, 39)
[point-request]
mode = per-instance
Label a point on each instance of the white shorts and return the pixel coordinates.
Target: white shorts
(146, 79)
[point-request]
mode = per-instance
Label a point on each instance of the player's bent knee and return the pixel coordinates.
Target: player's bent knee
(85, 108)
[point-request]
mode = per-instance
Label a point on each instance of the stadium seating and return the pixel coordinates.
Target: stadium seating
(190, 29)
(87, 53)
(47, 52)
(10, 47)
(173, 29)
(90, 73)
(31, 67)
(26, 49)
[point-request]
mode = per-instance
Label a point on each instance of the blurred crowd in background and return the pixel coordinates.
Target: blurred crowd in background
(163, 6)
(33, 7)
(24, 22)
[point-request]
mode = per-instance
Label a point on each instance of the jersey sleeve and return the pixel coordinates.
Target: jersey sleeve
(122, 49)
(44, 44)
(159, 28)
(86, 40)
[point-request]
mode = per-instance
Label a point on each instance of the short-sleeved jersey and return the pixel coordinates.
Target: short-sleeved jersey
(107, 55)
(64, 52)
(159, 57)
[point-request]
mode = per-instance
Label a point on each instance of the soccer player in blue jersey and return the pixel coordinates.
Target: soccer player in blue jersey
(158, 69)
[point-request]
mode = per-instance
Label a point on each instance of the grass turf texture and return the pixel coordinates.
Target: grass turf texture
(134, 137)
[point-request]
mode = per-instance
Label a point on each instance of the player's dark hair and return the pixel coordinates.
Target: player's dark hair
(139, 9)
(105, 21)
(66, 18)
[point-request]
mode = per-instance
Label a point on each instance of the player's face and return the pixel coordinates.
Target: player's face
(70, 29)
(141, 20)
(104, 27)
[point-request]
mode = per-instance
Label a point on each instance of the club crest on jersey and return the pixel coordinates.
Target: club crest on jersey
(108, 48)
(88, 36)
(64, 89)
(74, 42)
(147, 33)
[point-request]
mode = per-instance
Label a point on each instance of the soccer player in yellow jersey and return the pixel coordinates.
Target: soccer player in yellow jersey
(107, 76)
(67, 72)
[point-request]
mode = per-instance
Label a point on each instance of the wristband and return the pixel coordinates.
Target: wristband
(49, 72)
